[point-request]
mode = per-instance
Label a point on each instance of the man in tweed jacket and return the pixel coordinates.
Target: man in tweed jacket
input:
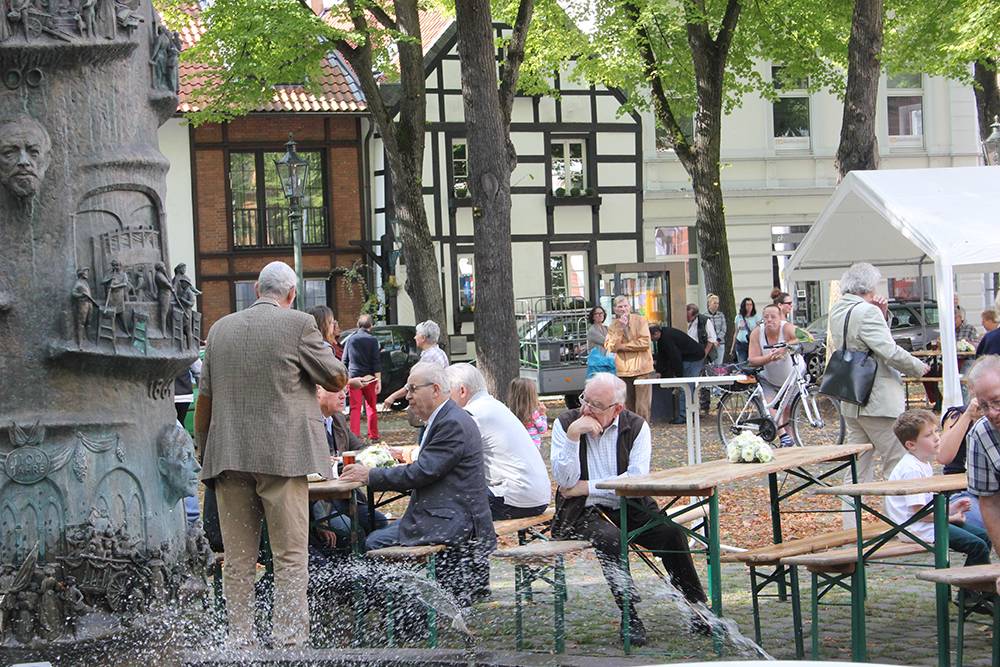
(261, 433)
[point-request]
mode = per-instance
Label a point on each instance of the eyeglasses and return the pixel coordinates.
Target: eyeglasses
(786, 303)
(412, 388)
(596, 407)
(988, 406)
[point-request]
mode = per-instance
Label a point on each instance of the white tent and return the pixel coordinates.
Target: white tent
(906, 221)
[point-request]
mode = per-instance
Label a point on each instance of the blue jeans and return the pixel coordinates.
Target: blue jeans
(973, 515)
(742, 351)
(341, 523)
(383, 537)
(691, 369)
(971, 541)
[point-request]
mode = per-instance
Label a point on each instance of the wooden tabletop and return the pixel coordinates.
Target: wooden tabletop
(937, 353)
(332, 489)
(700, 380)
(702, 478)
(903, 487)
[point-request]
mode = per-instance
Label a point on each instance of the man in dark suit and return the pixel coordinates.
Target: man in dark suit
(448, 501)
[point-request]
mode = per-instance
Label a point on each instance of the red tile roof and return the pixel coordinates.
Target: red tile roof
(340, 91)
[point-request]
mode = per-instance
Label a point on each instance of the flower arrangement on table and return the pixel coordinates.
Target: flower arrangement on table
(749, 447)
(376, 456)
(965, 347)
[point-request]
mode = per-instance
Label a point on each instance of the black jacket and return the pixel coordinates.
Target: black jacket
(673, 348)
(449, 502)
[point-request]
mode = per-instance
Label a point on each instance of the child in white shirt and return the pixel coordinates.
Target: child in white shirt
(917, 431)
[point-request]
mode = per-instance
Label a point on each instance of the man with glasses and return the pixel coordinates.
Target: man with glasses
(598, 441)
(983, 464)
(447, 484)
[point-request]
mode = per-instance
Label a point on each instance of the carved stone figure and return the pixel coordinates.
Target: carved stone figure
(88, 18)
(127, 18)
(159, 47)
(164, 292)
(19, 14)
(185, 293)
(50, 611)
(117, 286)
(6, 29)
(173, 62)
(73, 604)
(177, 464)
(24, 155)
(83, 304)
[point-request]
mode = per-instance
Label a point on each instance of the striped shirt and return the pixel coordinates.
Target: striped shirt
(983, 462)
(435, 355)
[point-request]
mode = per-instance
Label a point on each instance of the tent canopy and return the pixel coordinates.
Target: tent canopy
(909, 222)
(895, 218)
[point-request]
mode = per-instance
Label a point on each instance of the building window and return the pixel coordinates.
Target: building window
(466, 283)
(672, 241)
(905, 109)
(259, 209)
(460, 168)
(245, 295)
(568, 271)
(569, 166)
(686, 123)
(315, 293)
(790, 111)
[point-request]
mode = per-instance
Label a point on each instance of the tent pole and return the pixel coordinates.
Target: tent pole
(920, 292)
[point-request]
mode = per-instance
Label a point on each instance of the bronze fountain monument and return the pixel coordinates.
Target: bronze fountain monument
(93, 465)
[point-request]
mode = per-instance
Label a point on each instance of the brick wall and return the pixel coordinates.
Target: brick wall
(219, 266)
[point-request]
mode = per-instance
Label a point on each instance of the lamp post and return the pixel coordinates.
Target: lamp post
(293, 171)
(991, 146)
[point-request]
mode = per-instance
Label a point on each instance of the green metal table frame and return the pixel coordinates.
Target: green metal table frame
(867, 548)
(709, 536)
(963, 613)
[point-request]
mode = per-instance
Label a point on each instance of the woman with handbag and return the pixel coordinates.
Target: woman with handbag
(858, 324)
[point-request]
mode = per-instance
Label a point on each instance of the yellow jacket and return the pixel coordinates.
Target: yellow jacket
(635, 358)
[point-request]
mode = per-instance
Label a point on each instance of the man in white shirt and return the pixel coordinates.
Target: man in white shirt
(599, 441)
(515, 472)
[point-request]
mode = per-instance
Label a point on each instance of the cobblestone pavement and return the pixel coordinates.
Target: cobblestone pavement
(900, 608)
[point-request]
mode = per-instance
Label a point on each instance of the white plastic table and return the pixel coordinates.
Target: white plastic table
(693, 418)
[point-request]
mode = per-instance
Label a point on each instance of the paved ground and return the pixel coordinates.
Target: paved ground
(900, 608)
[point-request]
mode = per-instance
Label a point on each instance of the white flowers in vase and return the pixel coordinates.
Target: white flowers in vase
(376, 456)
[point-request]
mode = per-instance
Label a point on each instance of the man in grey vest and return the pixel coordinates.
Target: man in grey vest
(599, 441)
(261, 433)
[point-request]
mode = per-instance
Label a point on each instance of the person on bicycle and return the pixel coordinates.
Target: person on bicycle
(768, 350)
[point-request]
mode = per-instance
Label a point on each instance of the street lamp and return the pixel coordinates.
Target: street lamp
(293, 171)
(991, 146)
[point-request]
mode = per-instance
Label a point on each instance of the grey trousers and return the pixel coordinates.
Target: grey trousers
(877, 431)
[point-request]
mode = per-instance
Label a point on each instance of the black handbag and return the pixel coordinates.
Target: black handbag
(849, 375)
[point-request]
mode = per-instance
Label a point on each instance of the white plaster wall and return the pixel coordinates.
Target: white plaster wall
(175, 144)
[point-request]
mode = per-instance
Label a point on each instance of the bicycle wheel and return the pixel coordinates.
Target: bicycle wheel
(741, 411)
(827, 426)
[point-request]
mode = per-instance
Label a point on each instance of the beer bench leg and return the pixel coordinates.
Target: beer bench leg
(432, 631)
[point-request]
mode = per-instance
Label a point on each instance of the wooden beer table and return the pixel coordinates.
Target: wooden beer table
(941, 486)
(702, 480)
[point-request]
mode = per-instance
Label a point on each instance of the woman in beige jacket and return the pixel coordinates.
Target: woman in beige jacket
(628, 338)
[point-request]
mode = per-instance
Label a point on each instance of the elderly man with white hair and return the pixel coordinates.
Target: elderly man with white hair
(261, 433)
(983, 464)
(426, 337)
(598, 441)
(515, 472)
(448, 499)
(861, 314)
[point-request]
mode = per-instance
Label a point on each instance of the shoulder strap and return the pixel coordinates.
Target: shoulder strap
(847, 320)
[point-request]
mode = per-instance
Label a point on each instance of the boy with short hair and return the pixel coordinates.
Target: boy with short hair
(918, 432)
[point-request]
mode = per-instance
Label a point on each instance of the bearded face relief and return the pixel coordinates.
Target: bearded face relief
(24, 155)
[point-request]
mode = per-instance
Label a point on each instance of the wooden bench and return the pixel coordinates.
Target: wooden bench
(549, 553)
(771, 555)
(976, 578)
(511, 526)
(426, 555)
(527, 529)
(833, 568)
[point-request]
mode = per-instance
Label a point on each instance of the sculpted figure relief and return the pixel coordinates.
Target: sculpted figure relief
(177, 464)
(24, 155)
(83, 304)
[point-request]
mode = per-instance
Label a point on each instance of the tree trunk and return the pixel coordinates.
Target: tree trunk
(987, 95)
(858, 144)
(713, 241)
(489, 184)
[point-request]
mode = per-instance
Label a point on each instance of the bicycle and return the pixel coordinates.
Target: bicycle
(814, 419)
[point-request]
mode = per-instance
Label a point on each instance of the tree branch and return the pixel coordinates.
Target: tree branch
(515, 57)
(383, 17)
(676, 136)
(728, 29)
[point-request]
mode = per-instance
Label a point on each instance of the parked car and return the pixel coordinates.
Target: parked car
(910, 329)
(399, 354)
